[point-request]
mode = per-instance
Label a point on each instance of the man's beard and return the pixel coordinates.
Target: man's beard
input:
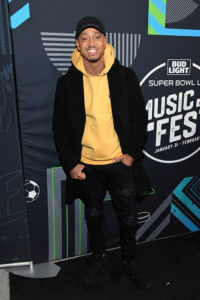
(93, 60)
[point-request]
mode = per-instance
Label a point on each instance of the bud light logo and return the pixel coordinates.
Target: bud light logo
(179, 67)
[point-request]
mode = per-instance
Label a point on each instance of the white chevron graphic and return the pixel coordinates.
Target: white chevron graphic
(60, 46)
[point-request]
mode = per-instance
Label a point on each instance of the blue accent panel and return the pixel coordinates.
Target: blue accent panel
(171, 31)
(160, 5)
(198, 196)
(155, 24)
(9, 1)
(20, 16)
(184, 198)
(183, 219)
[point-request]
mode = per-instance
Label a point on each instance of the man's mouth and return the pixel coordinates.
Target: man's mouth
(92, 51)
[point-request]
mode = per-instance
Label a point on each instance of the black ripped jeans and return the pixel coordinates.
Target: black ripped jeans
(117, 178)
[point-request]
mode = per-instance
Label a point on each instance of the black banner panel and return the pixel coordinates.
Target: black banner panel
(165, 57)
(14, 235)
(183, 14)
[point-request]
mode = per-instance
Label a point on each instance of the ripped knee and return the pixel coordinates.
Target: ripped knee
(126, 192)
(93, 214)
(129, 220)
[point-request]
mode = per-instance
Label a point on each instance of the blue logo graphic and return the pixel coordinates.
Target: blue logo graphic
(186, 203)
(157, 21)
(20, 16)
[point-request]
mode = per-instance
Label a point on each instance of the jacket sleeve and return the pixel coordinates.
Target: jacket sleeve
(62, 128)
(137, 116)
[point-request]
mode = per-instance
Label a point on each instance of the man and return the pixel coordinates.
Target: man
(99, 130)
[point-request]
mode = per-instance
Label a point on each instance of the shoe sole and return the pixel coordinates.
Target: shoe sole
(88, 281)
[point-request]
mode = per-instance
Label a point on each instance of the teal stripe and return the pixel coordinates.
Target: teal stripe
(160, 5)
(183, 219)
(170, 31)
(178, 192)
(192, 189)
(155, 24)
(20, 16)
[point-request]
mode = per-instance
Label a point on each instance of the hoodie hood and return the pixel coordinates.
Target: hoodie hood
(109, 58)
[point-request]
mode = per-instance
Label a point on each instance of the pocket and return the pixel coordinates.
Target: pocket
(125, 165)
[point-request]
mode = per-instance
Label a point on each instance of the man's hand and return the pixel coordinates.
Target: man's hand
(76, 172)
(125, 158)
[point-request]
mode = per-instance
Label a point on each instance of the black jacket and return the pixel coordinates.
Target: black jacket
(129, 116)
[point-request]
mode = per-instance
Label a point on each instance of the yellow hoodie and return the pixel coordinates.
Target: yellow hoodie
(100, 143)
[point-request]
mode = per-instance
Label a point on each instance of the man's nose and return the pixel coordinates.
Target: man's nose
(91, 42)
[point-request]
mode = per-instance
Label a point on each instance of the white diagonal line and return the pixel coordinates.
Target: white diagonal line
(131, 49)
(110, 38)
(154, 216)
(59, 59)
(58, 34)
(196, 66)
(57, 39)
(119, 45)
(60, 44)
(115, 46)
(127, 48)
(135, 45)
(139, 40)
(59, 49)
(62, 64)
(4, 285)
(158, 229)
(59, 54)
(123, 48)
(152, 71)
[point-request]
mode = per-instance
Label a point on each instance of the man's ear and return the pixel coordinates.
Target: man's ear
(77, 44)
(105, 41)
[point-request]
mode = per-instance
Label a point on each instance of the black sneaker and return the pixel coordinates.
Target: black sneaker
(138, 277)
(95, 264)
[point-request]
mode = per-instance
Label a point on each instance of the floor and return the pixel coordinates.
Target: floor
(172, 264)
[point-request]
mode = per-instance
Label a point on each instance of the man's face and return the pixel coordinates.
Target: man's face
(91, 44)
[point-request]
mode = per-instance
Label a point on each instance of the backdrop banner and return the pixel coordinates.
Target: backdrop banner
(165, 57)
(14, 235)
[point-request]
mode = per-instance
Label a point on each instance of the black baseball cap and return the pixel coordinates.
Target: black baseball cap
(87, 22)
